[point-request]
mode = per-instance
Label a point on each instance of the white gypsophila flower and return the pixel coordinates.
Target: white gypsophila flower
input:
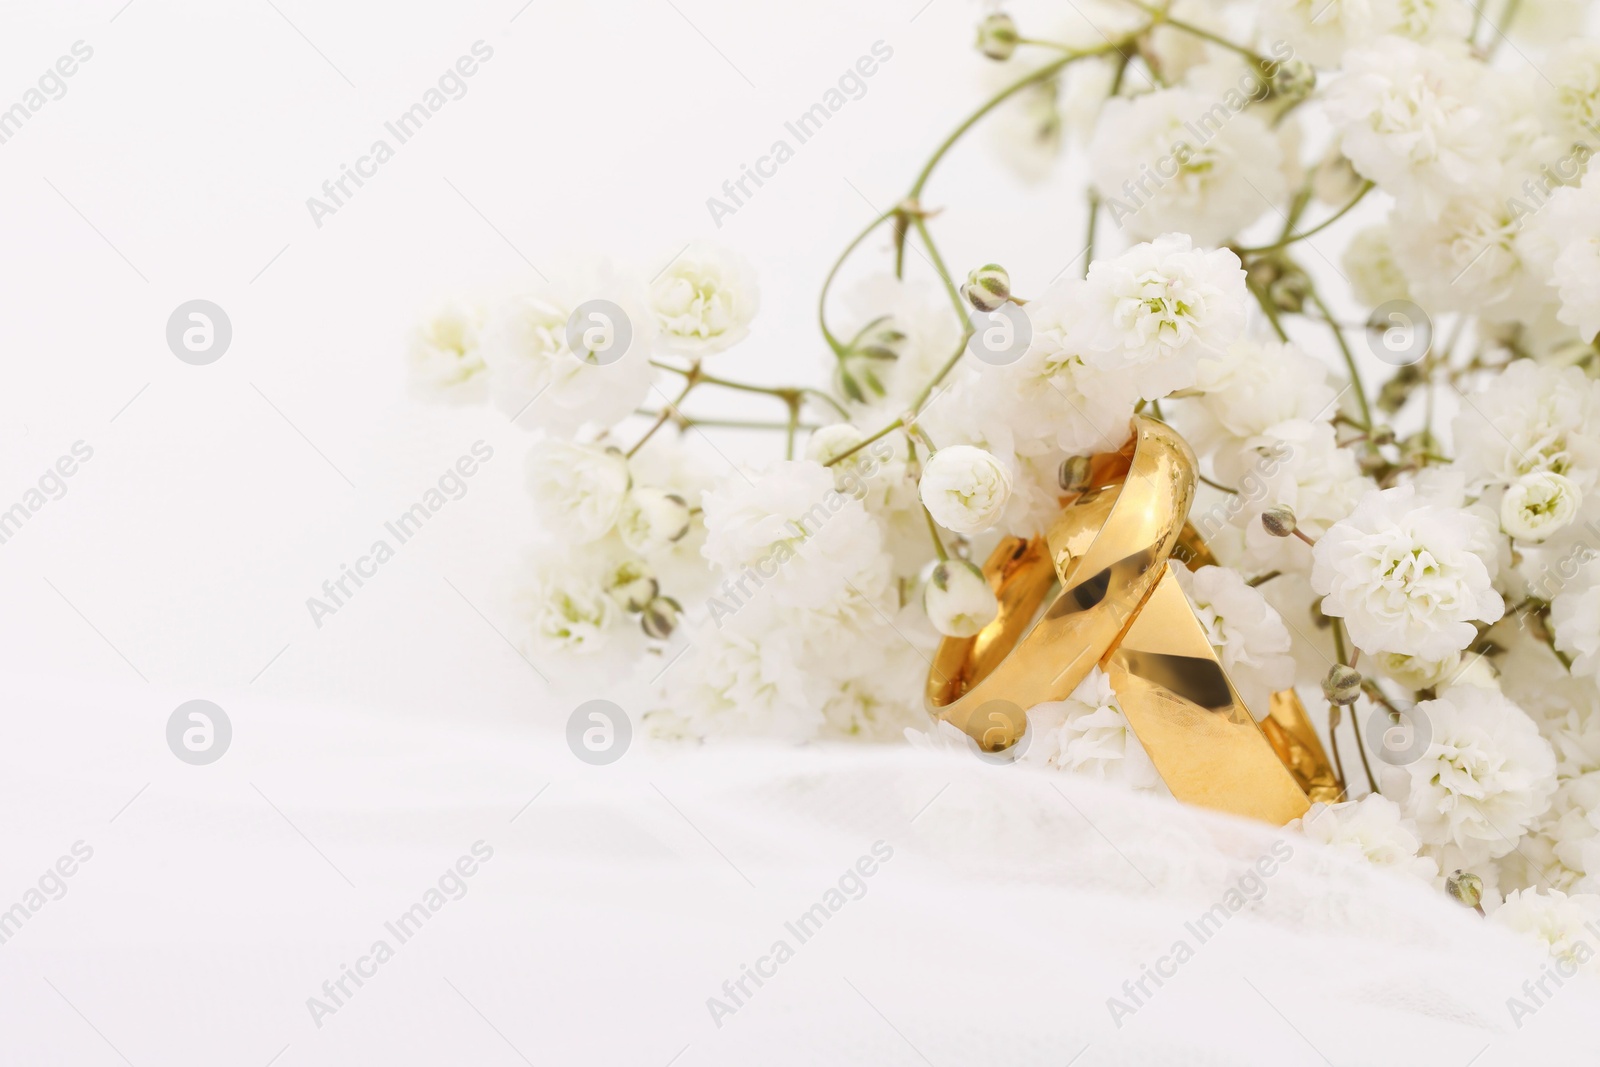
(1035, 496)
(1255, 385)
(1536, 505)
(835, 439)
(1376, 276)
(704, 301)
(1180, 52)
(651, 519)
(877, 473)
(1529, 419)
(1177, 160)
(793, 535)
(743, 678)
(564, 604)
(965, 489)
(446, 357)
(1049, 399)
(537, 378)
(1565, 925)
(1147, 316)
(1563, 848)
(1407, 119)
(577, 490)
(1296, 464)
(1575, 616)
(1321, 31)
(1404, 575)
(1571, 221)
(940, 736)
(1088, 733)
(879, 701)
(1472, 253)
(879, 691)
(1247, 633)
(1414, 672)
(1569, 93)
(1334, 180)
(1373, 828)
(1484, 778)
(1425, 20)
(958, 599)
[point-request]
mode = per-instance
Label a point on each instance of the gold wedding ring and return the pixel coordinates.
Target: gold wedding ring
(1121, 607)
(1108, 556)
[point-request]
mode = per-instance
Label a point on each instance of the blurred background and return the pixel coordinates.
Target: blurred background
(177, 165)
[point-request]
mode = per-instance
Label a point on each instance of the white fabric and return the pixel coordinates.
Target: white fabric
(617, 902)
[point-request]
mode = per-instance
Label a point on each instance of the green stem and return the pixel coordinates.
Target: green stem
(822, 301)
(1361, 749)
(1094, 219)
(1049, 70)
(793, 426)
(944, 273)
(1204, 34)
(944, 371)
(1349, 361)
(728, 424)
(1334, 715)
(933, 531)
(825, 398)
(782, 392)
(1270, 312)
(691, 380)
(1505, 26)
(1366, 187)
(853, 449)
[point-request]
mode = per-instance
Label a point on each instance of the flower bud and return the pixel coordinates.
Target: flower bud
(1285, 284)
(632, 585)
(987, 288)
(997, 36)
(1289, 292)
(1073, 477)
(965, 489)
(1393, 394)
(958, 599)
(1342, 685)
(1335, 181)
(1465, 888)
(1372, 464)
(1293, 80)
(660, 618)
(1278, 520)
(652, 519)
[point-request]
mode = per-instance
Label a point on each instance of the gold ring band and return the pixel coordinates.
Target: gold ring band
(984, 684)
(1124, 610)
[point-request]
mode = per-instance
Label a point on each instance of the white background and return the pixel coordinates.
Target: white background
(191, 142)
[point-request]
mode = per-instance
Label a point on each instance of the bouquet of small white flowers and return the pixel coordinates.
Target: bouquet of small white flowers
(1404, 499)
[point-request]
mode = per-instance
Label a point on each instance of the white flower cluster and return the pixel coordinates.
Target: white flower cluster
(1402, 474)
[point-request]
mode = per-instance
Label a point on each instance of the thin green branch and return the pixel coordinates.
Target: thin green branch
(1349, 361)
(1366, 187)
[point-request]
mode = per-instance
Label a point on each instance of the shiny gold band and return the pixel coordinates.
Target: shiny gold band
(1121, 607)
(1109, 549)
